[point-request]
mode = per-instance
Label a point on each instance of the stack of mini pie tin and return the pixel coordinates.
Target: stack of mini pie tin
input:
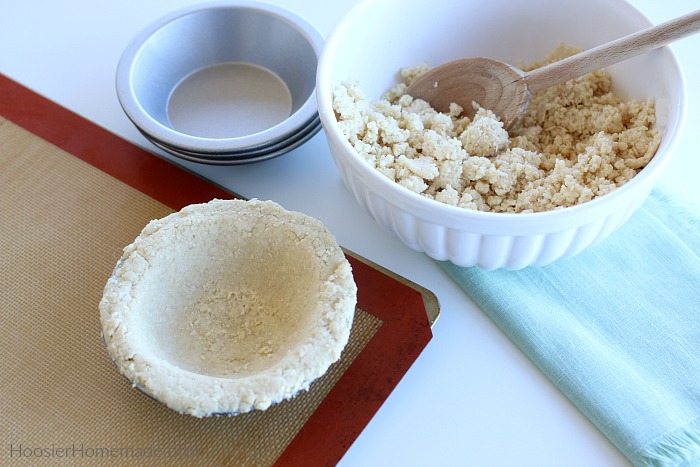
(223, 83)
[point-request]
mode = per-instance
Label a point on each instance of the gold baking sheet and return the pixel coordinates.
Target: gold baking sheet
(72, 195)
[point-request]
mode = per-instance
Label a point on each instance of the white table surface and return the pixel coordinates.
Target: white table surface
(471, 398)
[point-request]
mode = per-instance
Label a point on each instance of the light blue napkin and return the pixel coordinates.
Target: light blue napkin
(616, 329)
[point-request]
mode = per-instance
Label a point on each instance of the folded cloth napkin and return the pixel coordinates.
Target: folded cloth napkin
(616, 329)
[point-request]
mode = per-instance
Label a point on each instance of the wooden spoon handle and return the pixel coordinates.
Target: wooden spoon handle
(612, 52)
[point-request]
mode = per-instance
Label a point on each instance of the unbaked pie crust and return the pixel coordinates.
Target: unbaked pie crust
(228, 306)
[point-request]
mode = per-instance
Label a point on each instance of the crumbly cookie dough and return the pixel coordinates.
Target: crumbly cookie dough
(577, 141)
(228, 306)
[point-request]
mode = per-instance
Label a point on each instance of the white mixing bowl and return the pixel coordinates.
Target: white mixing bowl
(378, 37)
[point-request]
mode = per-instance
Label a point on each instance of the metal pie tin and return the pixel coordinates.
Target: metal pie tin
(224, 81)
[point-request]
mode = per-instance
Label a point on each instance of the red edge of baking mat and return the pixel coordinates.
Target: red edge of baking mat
(369, 380)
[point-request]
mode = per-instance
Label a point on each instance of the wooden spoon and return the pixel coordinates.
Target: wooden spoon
(506, 90)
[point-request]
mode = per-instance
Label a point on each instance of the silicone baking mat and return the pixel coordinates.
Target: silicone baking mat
(72, 195)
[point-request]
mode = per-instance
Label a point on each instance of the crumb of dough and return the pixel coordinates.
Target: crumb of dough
(575, 142)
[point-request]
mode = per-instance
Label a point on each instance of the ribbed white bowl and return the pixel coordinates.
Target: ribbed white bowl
(378, 37)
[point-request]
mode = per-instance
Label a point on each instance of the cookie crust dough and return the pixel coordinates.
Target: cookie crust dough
(228, 306)
(577, 141)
